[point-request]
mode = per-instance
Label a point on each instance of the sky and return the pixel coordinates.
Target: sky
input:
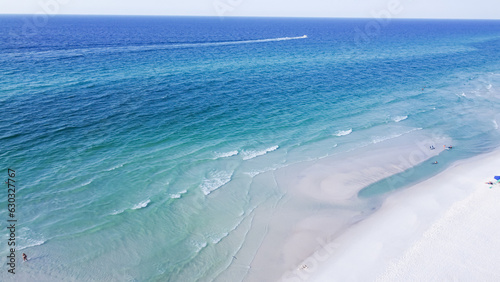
(446, 9)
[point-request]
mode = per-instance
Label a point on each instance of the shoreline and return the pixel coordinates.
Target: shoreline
(421, 232)
(320, 202)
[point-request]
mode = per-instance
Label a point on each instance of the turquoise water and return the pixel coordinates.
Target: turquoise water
(141, 144)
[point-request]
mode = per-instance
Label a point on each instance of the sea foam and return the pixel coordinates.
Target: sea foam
(226, 154)
(399, 118)
(141, 205)
(198, 245)
(215, 180)
(27, 238)
(28, 243)
(247, 155)
(216, 239)
(178, 195)
(343, 132)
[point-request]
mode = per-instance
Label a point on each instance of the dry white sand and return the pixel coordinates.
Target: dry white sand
(446, 228)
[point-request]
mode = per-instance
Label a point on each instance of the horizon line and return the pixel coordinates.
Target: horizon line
(243, 16)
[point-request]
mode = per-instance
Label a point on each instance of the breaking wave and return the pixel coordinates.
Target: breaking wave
(178, 195)
(226, 155)
(247, 155)
(399, 118)
(141, 205)
(215, 180)
(343, 132)
(27, 238)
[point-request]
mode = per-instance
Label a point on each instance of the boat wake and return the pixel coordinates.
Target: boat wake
(81, 52)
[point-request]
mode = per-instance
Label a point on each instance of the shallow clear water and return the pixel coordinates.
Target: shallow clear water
(138, 141)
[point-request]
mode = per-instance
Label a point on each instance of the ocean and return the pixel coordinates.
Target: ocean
(149, 148)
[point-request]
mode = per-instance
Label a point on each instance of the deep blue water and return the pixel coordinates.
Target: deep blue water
(138, 141)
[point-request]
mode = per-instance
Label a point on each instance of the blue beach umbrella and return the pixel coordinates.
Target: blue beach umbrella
(497, 177)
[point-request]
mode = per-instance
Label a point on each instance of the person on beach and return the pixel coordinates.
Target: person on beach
(25, 257)
(489, 183)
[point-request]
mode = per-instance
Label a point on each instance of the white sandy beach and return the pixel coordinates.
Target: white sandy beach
(442, 229)
(321, 202)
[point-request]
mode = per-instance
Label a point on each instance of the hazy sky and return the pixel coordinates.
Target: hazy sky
(462, 9)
